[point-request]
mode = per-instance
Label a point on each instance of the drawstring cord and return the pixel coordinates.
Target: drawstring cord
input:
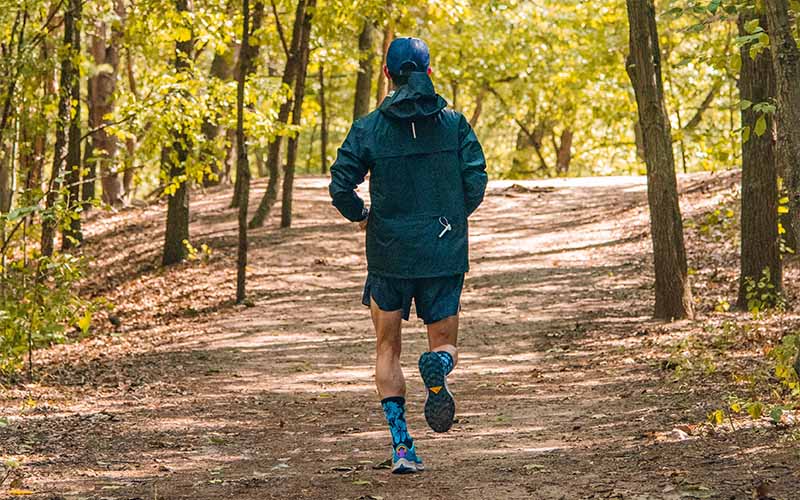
(446, 225)
(413, 130)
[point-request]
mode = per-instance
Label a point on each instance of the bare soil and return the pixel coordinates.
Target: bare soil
(565, 389)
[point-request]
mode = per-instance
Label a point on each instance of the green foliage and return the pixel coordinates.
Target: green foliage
(38, 306)
(761, 295)
(785, 356)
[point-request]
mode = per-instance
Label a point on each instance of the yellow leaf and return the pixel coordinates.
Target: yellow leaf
(85, 322)
(736, 407)
(19, 493)
(783, 210)
(755, 410)
(182, 34)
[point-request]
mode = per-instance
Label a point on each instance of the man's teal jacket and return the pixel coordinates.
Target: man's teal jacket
(427, 173)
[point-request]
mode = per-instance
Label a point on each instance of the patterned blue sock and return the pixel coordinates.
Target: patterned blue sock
(395, 411)
(447, 361)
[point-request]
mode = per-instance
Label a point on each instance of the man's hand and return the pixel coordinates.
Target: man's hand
(362, 224)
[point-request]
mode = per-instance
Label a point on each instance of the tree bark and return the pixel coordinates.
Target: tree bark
(258, 16)
(177, 231)
(476, 113)
(106, 52)
(242, 164)
(72, 235)
(89, 183)
(274, 150)
(786, 62)
(383, 82)
(324, 122)
(299, 94)
(760, 246)
(673, 296)
(49, 222)
(366, 63)
(564, 152)
(221, 69)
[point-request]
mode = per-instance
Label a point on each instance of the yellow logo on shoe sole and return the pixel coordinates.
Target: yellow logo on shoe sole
(436, 389)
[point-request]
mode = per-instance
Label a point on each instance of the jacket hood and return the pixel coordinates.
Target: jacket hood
(416, 99)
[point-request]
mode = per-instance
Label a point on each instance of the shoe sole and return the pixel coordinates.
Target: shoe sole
(440, 407)
(404, 466)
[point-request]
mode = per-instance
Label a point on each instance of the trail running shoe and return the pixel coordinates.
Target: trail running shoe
(440, 407)
(406, 461)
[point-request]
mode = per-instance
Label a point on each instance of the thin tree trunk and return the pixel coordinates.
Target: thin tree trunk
(274, 150)
(383, 82)
(257, 16)
(242, 164)
(221, 69)
(177, 231)
(88, 186)
(564, 151)
(49, 222)
(72, 235)
(6, 178)
(299, 94)
(786, 62)
(33, 179)
(760, 248)
(324, 122)
(106, 51)
(476, 113)
(672, 289)
(366, 51)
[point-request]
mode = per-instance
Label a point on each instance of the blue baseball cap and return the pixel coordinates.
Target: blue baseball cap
(407, 55)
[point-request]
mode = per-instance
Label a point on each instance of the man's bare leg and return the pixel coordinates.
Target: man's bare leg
(392, 388)
(434, 366)
(388, 373)
(443, 336)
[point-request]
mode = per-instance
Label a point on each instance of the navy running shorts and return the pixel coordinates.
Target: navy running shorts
(434, 298)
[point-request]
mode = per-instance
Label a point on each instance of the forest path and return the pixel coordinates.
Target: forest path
(559, 389)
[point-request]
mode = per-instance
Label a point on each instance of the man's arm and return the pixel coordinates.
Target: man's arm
(473, 167)
(347, 172)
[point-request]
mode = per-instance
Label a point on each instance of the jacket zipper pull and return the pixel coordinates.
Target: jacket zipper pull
(413, 130)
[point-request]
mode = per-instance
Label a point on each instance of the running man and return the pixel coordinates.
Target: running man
(427, 175)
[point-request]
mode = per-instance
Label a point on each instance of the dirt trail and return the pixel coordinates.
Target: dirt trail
(560, 391)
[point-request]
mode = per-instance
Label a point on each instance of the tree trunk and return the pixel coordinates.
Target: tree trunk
(258, 16)
(242, 164)
(383, 82)
(274, 150)
(221, 69)
(105, 49)
(366, 63)
(760, 249)
(299, 94)
(6, 179)
(324, 122)
(34, 174)
(89, 183)
(786, 62)
(637, 132)
(72, 235)
(564, 152)
(175, 161)
(476, 114)
(672, 289)
(49, 222)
